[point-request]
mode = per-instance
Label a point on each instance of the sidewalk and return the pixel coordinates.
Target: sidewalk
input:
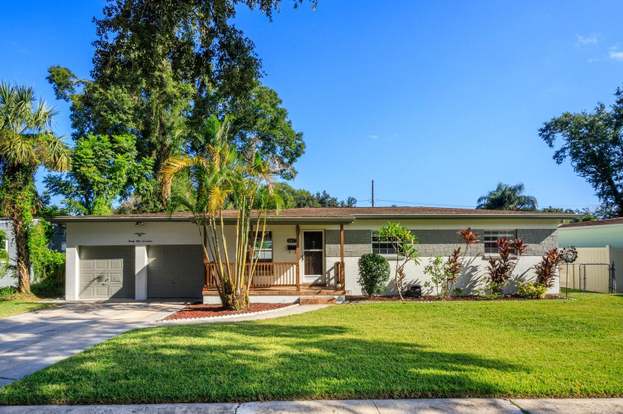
(424, 406)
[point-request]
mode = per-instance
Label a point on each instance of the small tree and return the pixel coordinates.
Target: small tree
(223, 179)
(501, 267)
(436, 271)
(403, 241)
(373, 273)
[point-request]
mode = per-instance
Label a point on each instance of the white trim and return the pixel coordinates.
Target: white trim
(221, 317)
(141, 262)
(72, 273)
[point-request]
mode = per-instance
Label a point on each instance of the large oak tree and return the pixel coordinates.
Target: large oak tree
(162, 67)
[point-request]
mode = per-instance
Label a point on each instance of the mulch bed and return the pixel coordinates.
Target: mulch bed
(210, 311)
(355, 299)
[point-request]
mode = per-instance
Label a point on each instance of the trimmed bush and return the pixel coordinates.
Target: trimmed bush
(373, 273)
(530, 290)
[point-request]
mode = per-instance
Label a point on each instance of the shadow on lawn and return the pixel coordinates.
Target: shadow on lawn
(255, 362)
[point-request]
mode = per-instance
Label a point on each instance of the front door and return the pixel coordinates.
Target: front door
(313, 256)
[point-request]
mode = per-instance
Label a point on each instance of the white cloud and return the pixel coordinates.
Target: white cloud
(373, 136)
(616, 55)
(586, 40)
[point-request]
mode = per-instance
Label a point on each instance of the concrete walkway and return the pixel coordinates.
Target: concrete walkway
(32, 341)
(424, 406)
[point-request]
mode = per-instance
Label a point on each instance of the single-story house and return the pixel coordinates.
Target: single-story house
(307, 251)
(599, 265)
(8, 258)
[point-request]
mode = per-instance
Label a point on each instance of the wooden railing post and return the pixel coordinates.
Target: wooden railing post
(340, 277)
(298, 257)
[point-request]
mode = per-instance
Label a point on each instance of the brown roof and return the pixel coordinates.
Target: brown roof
(337, 214)
(617, 220)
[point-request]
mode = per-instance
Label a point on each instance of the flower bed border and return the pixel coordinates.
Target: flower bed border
(431, 298)
(229, 315)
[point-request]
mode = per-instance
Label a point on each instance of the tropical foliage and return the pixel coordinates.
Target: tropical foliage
(593, 143)
(26, 143)
(226, 186)
(546, 269)
(404, 243)
(444, 272)
(48, 265)
(507, 197)
(501, 267)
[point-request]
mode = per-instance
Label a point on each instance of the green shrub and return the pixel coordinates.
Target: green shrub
(373, 272)
(531, 290)
(7, 293)
(48, 265)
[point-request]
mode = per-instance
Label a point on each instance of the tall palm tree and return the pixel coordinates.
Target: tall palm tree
(222, 179)
(507, 197)
(26, 143)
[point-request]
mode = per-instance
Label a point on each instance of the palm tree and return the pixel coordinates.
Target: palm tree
(222, 179)
(26, 143)
(507, 197)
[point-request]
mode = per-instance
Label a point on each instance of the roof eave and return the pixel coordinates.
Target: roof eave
(188, 219)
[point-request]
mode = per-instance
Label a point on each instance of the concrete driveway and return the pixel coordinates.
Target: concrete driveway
(32, 341)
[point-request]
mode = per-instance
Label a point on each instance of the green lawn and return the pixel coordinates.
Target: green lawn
(14, 306)
(556, 348)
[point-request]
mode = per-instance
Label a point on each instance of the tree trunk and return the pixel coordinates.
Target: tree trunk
(22, 261)
(235, 301)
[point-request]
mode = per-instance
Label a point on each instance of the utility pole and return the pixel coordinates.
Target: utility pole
(372, 193)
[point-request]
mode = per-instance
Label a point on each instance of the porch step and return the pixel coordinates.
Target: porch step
(316, 300)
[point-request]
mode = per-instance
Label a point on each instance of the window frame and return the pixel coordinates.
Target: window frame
(388, 249)
(257, 251)
(490, 246)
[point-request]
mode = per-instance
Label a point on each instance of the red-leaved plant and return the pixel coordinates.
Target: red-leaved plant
(546, 269)
(454, 263)
(453, 268)
(501, 267)
(469, 236)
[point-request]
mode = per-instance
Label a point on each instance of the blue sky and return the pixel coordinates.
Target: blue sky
(435, 100)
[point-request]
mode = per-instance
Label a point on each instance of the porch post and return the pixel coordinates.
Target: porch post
(298, 257)
(141, 262)
(72, 273)
(341, 275)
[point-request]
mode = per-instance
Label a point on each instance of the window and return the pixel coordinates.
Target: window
(263, 251)
(382, 245)
(491, 239)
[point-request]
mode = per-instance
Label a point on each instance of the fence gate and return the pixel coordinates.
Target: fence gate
(590, 277)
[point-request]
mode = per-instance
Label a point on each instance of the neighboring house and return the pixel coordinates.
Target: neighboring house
(599, 266)
(307, 251)
(7, 270)
(7, 277)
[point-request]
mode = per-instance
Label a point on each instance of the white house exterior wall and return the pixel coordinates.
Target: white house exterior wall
(185, 233)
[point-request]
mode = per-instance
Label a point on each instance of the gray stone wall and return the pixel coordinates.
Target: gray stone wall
(356, 243)
(435, 242)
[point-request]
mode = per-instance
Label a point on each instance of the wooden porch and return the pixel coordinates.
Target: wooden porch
(284, 278)
(280, 278)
